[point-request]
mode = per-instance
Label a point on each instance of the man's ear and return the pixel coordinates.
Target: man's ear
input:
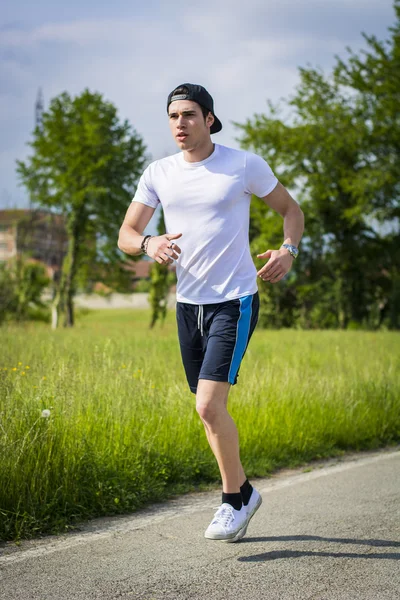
(210, 119)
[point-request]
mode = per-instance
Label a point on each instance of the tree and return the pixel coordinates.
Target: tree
(325, 143)
(374, 75)
(85, 165)
(159, 284)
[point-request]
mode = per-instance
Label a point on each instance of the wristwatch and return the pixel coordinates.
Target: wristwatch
(292, 249)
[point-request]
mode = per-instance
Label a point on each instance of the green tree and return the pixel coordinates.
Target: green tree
(375, 77)
(322, 144)
(85, 164)
(160, 283)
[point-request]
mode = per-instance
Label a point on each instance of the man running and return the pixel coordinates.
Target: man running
(205, 193)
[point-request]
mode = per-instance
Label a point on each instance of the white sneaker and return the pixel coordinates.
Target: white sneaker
(252, 507)
(227, 523)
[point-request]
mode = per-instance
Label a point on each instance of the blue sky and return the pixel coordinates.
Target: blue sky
(134, 53)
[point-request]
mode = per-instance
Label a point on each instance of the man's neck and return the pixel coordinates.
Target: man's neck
(199, 154)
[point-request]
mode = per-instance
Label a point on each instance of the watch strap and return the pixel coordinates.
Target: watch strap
(294, 251)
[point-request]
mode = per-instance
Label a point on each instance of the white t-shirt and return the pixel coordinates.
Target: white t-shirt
(209, 203)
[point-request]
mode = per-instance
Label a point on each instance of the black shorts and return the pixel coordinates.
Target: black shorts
(214, 337)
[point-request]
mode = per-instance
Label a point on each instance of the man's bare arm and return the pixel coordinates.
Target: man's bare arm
(131, 232)
(130, 237)
(282, 202)
(280, 261)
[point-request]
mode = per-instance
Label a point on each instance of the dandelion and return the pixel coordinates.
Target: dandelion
(44, 377)
(27, 367)
(23, 373)
(19, 364)
(14, 369)
(46, 413)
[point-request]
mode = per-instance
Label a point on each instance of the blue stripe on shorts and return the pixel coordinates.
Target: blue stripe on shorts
(242, 336)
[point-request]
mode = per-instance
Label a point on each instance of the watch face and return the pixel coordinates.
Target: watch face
(292, 249)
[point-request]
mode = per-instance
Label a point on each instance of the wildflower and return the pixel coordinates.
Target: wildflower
(27, 367)
(23, 373)
(45, 413)
(20, 363)
(14, 369)
(44, 377)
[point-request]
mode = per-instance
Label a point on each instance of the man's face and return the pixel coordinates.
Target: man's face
(187, 124)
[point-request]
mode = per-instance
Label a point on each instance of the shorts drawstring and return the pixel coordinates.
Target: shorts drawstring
(200, 319)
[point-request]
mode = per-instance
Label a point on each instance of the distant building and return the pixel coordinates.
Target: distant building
(38, 233)
(42, 235)
(140, 269)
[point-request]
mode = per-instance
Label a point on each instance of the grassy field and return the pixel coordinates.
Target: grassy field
(122, 429)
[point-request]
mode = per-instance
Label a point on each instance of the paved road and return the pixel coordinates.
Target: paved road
(332, 533)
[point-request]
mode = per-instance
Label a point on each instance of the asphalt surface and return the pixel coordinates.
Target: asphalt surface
(328, 532)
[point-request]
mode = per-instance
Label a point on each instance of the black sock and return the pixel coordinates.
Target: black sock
(246, 490)
(234, 500)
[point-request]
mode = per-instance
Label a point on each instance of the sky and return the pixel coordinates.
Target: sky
(134, 53)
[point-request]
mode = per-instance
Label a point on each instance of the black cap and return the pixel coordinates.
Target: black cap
(198, 94)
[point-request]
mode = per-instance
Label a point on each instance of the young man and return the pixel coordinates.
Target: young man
(205, 192)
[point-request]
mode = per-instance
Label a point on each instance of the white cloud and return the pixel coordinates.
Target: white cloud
(244, 53)
(80, 33)
(272, 18)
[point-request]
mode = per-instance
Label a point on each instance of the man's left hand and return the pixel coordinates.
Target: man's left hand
(280, 262)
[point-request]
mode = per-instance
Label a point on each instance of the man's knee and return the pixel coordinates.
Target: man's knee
(211, 399)
(206, 412)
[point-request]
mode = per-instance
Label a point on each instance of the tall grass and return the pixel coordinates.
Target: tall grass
(123, 430)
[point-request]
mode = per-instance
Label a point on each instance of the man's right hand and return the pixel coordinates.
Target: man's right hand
(162, 248)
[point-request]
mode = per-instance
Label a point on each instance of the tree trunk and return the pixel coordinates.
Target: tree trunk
(57, 306)
(77, 226)
(342, 304)
(54, 317)
(159, 288)
(63, 300)
(69, 310)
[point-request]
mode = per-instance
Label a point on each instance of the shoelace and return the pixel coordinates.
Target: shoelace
(224, 515)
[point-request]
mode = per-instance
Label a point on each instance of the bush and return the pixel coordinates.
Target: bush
(22, 283)
(142, 286)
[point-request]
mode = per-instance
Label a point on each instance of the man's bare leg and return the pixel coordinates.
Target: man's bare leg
(242, 475)
(221, 431)
(222, 435)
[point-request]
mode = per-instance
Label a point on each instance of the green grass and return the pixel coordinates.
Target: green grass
(123, 430)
